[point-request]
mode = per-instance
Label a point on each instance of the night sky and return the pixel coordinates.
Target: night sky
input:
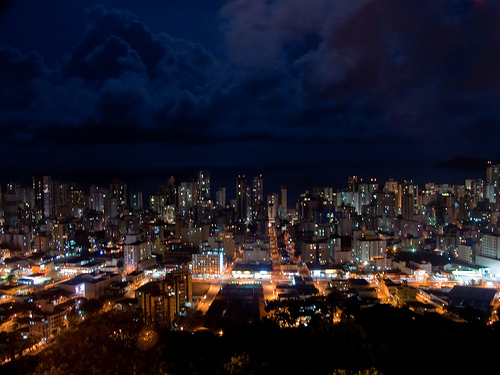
(305, 92)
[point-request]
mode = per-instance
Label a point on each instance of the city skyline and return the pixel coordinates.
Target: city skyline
(181, 180)
(190, 178)
(182, 263)
(323, 90)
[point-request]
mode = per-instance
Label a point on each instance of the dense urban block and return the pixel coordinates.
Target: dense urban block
(187, 263)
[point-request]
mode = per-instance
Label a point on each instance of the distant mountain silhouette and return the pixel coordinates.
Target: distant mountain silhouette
(466, 164)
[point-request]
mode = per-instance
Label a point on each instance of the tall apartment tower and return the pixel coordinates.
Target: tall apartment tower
(492, 182)
(258, 205)
(10, 205)
(97, 198)
(76, 201)
(493, 175)
(476, 190)
(135, 251)
(242, 199)
(118, 190)
(180, 281)
(42, 186)
(60, 198)
(157, 302)
(2, 192)
(186, 197)
(257, 190)
(220, 197)
(203, 187)
(136, 200)
(272, 202)
(171, 192)
(284, 199)
(409, 199)
(393, 187)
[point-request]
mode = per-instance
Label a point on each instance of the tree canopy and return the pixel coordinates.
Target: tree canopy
(376, 340)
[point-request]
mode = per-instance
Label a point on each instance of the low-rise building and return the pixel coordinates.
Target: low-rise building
(252, 270)
(472, 301)
(51, 314)
(404, 294)
(289, 268)
(76, 285)
(419, 270)
(99, 286)
(255, 250)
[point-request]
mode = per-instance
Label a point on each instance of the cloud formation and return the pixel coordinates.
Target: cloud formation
(381, 67)
(349, 81)
(120, 78)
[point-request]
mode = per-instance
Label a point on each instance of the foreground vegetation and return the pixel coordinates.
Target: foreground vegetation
(375, 340)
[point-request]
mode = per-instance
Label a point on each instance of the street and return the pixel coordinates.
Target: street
(204, 304)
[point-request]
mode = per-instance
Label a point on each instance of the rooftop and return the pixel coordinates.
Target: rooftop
(253, 267)
(473, 293)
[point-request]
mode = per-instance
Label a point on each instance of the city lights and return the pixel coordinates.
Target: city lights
(379, 246)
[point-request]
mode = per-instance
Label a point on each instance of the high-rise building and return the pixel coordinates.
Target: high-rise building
(136, 200)
(180, 281)
(258, 204)
(316, 251)
(492, 182)
(476, 189)
(171, 192)
(118, 190)
(186, 197)
(157, 301)
(2, 191)
(284, 199)
(257, 190)
(272, 203)
(10, 205)
(242, 199)
(369, 248)
(386, 204)
(97, 198)
(493, 175)
(135, 251)
(394, 188)
(42, 185)
(465, 253)
(76, 201)
(409, 199)
(61, 195)
(352, 183)
(203, 187)
(490, 246)
(220, 197)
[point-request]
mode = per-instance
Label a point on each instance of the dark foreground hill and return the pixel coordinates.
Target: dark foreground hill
(389, 340)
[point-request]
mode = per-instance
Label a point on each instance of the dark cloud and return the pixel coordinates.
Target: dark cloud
(340, 80)
(109, 60)
(121, 83)
(114, 42)
(16, 74)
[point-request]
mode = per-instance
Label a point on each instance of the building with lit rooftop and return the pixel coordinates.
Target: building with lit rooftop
(208, 262)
